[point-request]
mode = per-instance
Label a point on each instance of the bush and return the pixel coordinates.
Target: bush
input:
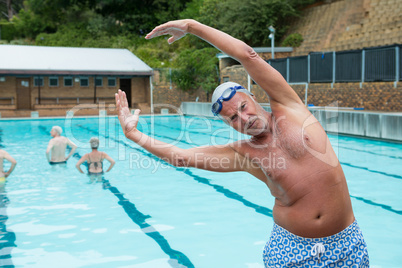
(293, 40)
(19, 42)
(8, 31)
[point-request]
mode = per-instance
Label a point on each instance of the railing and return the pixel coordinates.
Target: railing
(333, 120)
(11, 99)
(73, 100)
(365, 65)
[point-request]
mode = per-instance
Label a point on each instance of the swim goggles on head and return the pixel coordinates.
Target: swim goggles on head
(226, 95)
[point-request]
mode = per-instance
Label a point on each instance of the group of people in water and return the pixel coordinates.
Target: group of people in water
(56, 155)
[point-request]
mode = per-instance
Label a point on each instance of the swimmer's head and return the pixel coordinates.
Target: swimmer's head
(56, 131)
(237, 107)
(94, 142)
(225, 92)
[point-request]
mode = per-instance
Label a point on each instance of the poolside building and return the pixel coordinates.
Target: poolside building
(53, 80)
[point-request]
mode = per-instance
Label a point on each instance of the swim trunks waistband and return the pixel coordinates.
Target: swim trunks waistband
(57, 163)
(95, 173)
(344, 249)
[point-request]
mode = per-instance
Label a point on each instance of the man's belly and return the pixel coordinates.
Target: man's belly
(315, 216)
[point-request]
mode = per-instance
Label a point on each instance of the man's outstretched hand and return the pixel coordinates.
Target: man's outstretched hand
(127, 120)
(177, 29)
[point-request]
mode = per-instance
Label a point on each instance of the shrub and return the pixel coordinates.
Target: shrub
(293, 40)
(8, 31)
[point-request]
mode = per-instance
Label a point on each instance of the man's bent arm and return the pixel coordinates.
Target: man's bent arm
(214, 158)
(199, 157)
(270, 80)
(73, 148)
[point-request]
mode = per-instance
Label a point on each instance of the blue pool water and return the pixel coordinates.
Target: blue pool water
(149, 214)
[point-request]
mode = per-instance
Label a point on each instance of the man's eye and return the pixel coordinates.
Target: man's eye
(233, 117)
(244, 105)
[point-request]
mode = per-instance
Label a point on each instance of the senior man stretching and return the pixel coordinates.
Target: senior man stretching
(314, 224)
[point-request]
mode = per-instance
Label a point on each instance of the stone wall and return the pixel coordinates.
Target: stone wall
(348, 24)
(167, 95)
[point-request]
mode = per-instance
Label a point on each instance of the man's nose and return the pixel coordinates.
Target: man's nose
(244, 117)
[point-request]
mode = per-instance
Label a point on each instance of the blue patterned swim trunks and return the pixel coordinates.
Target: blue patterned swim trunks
(344, 249)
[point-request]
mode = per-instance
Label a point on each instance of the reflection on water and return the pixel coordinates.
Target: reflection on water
(7, 237)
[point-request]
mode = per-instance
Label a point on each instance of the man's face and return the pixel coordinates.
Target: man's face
(244, 115)
(53, 133)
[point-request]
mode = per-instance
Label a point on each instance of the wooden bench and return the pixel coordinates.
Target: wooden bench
(7, 101)
(73, 100)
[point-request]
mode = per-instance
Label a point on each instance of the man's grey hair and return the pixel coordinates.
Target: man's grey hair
(58, 129)
(94, 141)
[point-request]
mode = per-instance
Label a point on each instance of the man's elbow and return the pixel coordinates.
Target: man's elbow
(248, 54)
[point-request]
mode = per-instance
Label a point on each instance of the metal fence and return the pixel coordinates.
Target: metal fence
(365, 65)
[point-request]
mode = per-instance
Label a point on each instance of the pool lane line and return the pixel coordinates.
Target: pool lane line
(368, 152)
(228, 193)
(1, 141)
(139, 218)
(232, 195)
(386, 207)
(372, 170)
(7, 238)
(191, 131)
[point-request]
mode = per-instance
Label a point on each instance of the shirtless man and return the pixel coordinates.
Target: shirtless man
(307, 181)
(57, 147)
(3, 174)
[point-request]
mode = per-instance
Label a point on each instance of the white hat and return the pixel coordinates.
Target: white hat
(222, 87)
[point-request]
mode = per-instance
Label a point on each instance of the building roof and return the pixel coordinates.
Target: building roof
(40, 60)
(260, 50)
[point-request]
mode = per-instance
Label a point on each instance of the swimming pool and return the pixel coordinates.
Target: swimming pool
(149, 214)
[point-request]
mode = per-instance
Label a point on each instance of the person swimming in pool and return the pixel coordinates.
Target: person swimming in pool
(289, 151)
(94, 160)
(8, 157)
(56, 149)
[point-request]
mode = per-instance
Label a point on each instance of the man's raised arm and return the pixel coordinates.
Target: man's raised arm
(213, 158)
(261, 72)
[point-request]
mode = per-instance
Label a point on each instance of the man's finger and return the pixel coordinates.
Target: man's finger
(121, 97)
(116, 97)
(125, 103)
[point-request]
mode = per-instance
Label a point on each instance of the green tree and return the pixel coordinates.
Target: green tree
(196, 69)
(9, 8)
